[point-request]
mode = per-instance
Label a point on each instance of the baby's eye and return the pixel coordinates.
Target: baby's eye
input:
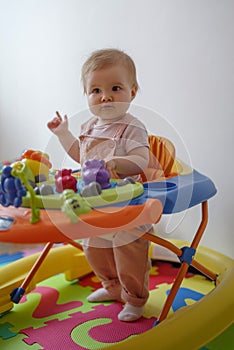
(116, 88)
(96, 91)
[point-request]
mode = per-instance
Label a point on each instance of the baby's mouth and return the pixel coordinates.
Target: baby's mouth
(107, 106)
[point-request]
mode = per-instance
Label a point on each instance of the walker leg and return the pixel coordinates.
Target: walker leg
(186, 259)
(17, 293)
(174, 289)
(75, 244)
(211, 275)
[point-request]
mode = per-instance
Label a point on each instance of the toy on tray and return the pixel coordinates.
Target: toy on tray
(28, 183)
(93, 170)
(38, 162)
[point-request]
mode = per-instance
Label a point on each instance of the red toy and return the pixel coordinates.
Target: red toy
(65, 181)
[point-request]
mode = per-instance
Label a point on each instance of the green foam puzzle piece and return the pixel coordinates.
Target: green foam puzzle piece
(5, 332)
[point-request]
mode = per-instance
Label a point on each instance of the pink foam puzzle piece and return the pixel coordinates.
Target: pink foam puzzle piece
(116, 330)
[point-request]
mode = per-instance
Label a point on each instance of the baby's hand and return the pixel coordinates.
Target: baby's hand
(111, 167)
(58, 125)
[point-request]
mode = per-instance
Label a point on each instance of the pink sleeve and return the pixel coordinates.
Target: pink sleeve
(135, 135)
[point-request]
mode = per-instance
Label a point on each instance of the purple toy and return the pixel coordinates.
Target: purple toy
(93, 170)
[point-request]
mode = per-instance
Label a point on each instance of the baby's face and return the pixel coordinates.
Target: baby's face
(109, 92)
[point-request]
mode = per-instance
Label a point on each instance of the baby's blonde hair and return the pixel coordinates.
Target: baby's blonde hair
(108, 57)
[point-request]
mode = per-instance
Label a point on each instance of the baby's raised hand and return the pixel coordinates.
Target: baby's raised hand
(58, 125)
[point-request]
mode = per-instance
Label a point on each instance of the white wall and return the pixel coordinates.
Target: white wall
(184, 54)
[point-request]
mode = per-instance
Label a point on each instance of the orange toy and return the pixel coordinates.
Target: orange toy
(37, 161)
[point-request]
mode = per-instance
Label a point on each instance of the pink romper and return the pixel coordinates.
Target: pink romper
(122, 258)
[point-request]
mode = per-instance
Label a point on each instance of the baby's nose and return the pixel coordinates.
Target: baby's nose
(106, 97)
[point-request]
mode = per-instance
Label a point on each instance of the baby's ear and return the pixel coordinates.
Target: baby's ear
(134, 91)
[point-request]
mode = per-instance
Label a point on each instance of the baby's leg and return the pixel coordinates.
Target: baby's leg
(133, 265)
(101, 259)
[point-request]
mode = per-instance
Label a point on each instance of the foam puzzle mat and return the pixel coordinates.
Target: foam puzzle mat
(56, 314)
